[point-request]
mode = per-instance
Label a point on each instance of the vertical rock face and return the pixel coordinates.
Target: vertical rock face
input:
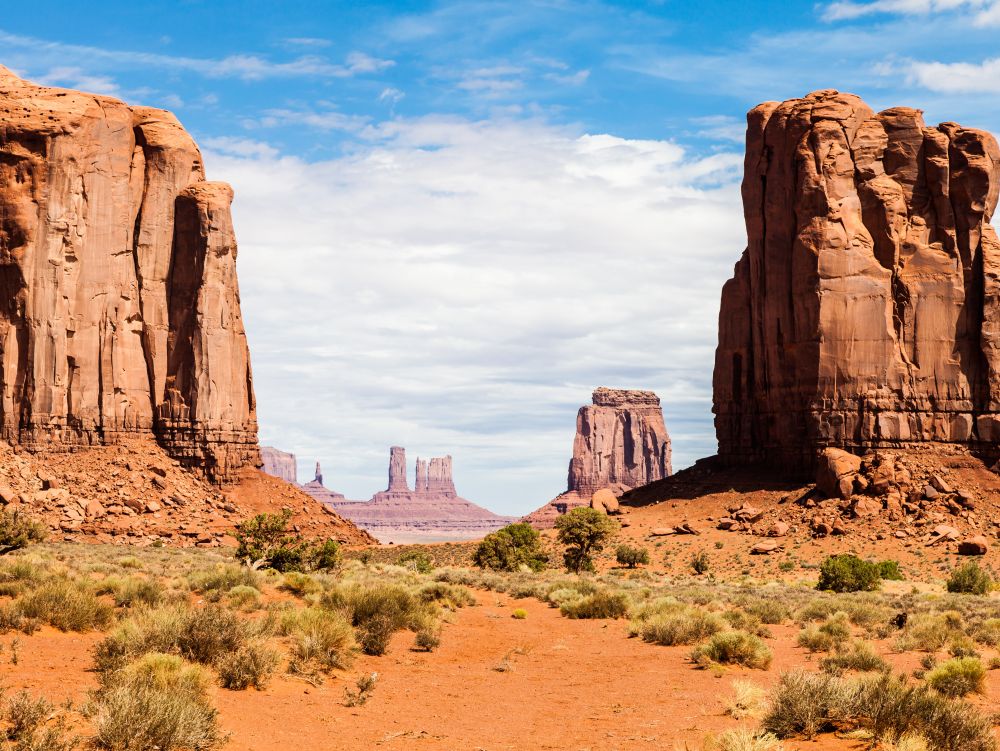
(281, 464)
(621, 442)
(397, 470)
(439, 479)
(119, 306)
(863, 312)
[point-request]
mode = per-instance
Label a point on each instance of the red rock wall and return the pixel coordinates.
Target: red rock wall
(864, 309)
(119, 305)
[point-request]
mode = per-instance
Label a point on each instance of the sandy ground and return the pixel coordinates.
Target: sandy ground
(575, 685)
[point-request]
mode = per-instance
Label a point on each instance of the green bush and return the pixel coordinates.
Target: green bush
(583, 531)
(377, 611)
(889, 570)
(848, 573)
(628, 555)
(969, 579)
(684, 626)
(158, 702)
(65, 604)
(958, 677)
(859, 656)
(510, 548)
(418, 560)
(19, 531)
(519, 614)
(734, 647)
(320, 639)
(267, 539)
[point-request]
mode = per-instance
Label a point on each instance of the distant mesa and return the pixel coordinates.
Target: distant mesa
(621, 443)
(431, 511)
(279, 464)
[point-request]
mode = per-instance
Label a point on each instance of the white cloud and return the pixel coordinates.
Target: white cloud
(985, 12)
(75, 78)
(461, 286)
(321, 120)
(957, 78)
(247, 67)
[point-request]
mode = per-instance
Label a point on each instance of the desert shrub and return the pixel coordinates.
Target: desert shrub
(631, 556)
(65, 604)
(244, 597)
(365, 685)
(771, 612)
(31, 724)
(298, 583)
(837, 626)
(747, 700)
(700, 562)
(806, 703)
(447, 595)
(962, 646)
(601, 604)
(744, 739)
(858, 656)
(250, 665)
(927, 632)
(969, 578)
(814, 640)
(958, 677)
(682, 625)
(19, 531)
(889, 570)
(210, 633)
(988, 632)
(848, 573)
(157, 702)
(215, 582)
(377, 611)
(417, 560)
(428, 638)
(583, 531)
(134, 590)
(319, 638)
(266, 539)
(510, 548)
(734, 647)
(519, 614)
(740, 619)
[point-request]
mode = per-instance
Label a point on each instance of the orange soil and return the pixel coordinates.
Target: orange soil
(574, 685)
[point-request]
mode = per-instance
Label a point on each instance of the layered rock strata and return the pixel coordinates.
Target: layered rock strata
(280, 464)
(119, 305)
(621, 443)
(863, 312)
(431, 511)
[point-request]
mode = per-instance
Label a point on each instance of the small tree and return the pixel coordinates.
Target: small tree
(700, 562)
(584, 531)
(511, 547)
(418, 560)
(630, 556)
(848, 573)
(969, 579)
(18, 531)
(266, 538)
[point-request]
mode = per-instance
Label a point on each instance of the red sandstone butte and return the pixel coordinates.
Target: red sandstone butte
(119, 304)
(864, 311)
(621, 443)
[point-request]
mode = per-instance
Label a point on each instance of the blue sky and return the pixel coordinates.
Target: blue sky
(458, 218)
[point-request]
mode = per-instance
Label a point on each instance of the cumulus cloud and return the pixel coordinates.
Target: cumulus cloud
(74, 77)
(461, 286)
(957, 78)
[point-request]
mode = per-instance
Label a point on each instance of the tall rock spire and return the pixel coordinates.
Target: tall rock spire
(397, 470)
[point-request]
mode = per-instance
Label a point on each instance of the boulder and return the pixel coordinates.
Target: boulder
(973, 546)
(604, 500)
(766, 547)
(836, 471)
(778, 529)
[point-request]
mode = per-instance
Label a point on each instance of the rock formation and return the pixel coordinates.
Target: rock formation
(280, 464)
(621, 443)
(319, 491)
(430, 512)
(863, 312)
(119, 305)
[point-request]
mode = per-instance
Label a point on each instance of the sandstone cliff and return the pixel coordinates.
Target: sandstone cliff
(119, 305)
(863, 312)
(280, 464)
(621, 443)
(432, 511)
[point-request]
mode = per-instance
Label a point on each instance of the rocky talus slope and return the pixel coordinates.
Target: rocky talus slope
(863, 312)
(119, 304)
(621, 443)
(134, 493)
